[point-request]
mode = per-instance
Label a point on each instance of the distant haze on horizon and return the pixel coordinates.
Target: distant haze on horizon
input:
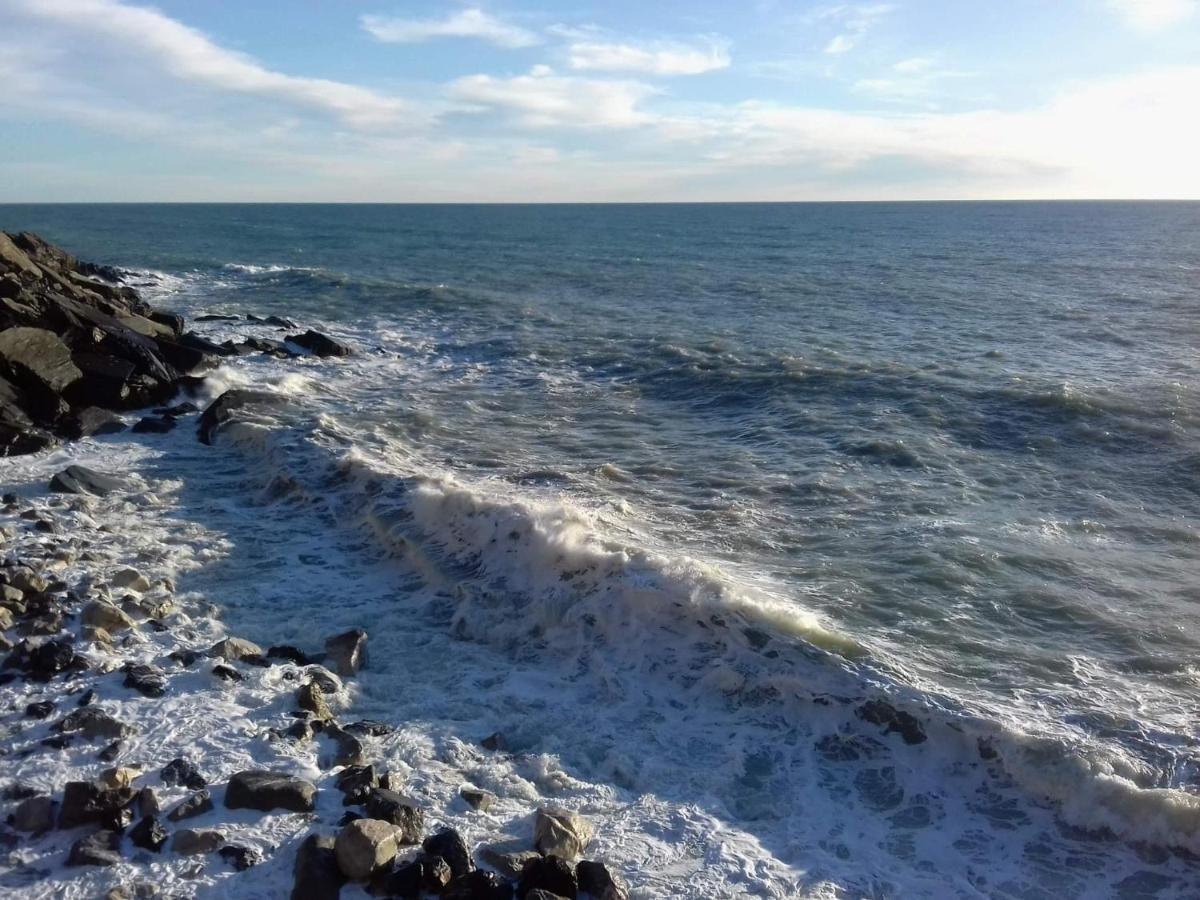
(528, 101)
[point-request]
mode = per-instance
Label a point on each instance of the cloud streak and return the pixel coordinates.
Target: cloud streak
(1154, 15)
(468, 23)
(543, 99)
(658, 58)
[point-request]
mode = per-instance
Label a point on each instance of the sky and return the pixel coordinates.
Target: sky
(619, 100)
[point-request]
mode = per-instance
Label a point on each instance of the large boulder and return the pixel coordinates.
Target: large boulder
(265, 791)
(552, 874)
(366, 846)
(38, 362)
(14, 259)
(197, 841)
(347, 652)
(90, 802)
(81, 480)
(596, 881)
(319, 344)
(399, 810)
(102, 848)
(560, 832)
(317, 875)
(449, 845)
(236, 405)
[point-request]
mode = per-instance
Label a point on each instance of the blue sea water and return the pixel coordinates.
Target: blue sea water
(942, 454)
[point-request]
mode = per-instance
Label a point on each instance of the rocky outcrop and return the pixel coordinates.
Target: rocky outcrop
(265, 791)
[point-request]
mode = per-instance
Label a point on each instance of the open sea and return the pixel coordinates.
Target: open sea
(679, 497)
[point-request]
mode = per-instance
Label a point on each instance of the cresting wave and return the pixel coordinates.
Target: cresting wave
(540, 580)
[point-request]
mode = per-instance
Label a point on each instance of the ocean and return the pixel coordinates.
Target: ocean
(671, 494)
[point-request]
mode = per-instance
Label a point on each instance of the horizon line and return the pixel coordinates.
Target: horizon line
(952, 200)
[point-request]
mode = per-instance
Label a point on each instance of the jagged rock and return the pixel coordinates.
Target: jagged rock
(370, 727)
(197, 841)
(103, 848)
(227, 673)
(598, 883)
(507, 859)
(319, 344)
(401, 811)
(130, 579)
(356, 783)
(435, 874)
(348, 750)
(117, 778)
(148, 803)
(312, 698)
(552, 874)
(234, 649)
(99, 614)
(92, 724)
(39, 363)
(149, 834)
(560, 832)
(347, 652)
(265, 791)
(291, 654)
(89, 421)
(146, 680)
(81, 480)
(365, 846)
(233, 405)
(404, 881)
(880, 712)
(39, 710)
(89, 802)
(182, 772)
(326, 680)
(153, 425)
(195, 805)
(478, 885)
(316, 874)
(495, 742)
(27, 581)
(35, 814)
(241, 858)
(477, 799)
(184, 657)
(106, 382)
(449, 845)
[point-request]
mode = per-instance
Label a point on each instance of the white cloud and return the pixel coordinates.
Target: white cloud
(469, 23)
(1154, 15)
(853, 21)
(920, 78)
(542, 99)
(188, 55)
(656, 58)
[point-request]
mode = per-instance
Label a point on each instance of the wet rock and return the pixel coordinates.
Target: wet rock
(146, 680)
(598, 883)
(406, 881)
(149, 834)
(38, 362)
(90, 634)
(26, 580)
(110, 753)
(153, 425)
(40, 709)
(180, 771)
(316, 874)
(449, 845)
(478, 885)
(401, 811)
(265, 791)
(81, 480)
(289, 653)
(365, 846)
(879, 712)
(130, 579)
(233, 649)
(312, 698)
(184, 657)
(560, 832)
(435, 874)
(35, 814)
(507, 859)
(477, 798)
(93, 724)
(89, 802)
(551, 874)
(348, 750)
(319, 344)
(370, 727)
(86, 422)
(148, 803)
(102, 848)
(227, 673)
(326, 680)
(300, 731)
(241, 858)
(99, 614)
(217, 317)
(195, 805)
(197, 841)
(233, 406)
(116, 778)
(356, 782)
(347, 651)
(41, 660)
(495, 742)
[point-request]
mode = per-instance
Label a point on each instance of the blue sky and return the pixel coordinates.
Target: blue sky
(433, 100)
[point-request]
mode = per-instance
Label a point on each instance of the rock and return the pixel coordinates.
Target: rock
(39, 363)
(153, 425)
(560, 832)
(326, 680)
(148, 803)
(90, 634)
(879, 712)
(312, 698)
(79, 480)
(349, 750)
(449, 846)
(227, 673)
(42, 659)
(146, 680)
(370, 727)
(316, 874)
(435, 874)
(130, 579)
(89, 802)
(365, 846)
(285, 651)
(182, 772)
(478, 885)
(507, 859)
(405, 881)
(196, 841)
(99, 614)
(13, 259)
(184, 657)
(552, 874)
(195, 805)
(241, 858)
(102, 848)
(494, 742)
(539, 894)
(149, 834)
(109, 753)
(401, 811)
(319, 344)
(477, 799)
(89, 421)
(356, 782)
(35, 814)
(39, 710)
(265, 791)
(93, 723)
(217, 317)
(236, 405)
(27, 581)
(347, 651)
(234, 649)
(598, 883)
(117, 778)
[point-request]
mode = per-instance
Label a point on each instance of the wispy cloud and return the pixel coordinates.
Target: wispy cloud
(468, 23)
(652, 58)
(189, 55)
(916, 79)
(852, 21)
(543, 99)
(1154, 15)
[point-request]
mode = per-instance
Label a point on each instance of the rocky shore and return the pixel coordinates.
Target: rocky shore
(101, 647)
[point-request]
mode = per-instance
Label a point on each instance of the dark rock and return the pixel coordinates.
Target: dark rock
(197, 841)
(79, 480)
(316, 874)
(319, 344)
(478, 885)
(227, 673)
(241, 858)
(477, 799)
(87, 697)
(880, 712)
(449, 845)
(174, 321)
(184, 357)
(149, 834)
(146, 680)
(401, 811)
(284, 651)
(193, 341)
(235, 404)
(370, 728)
(310, 697)
(41, 660)
(266, 345)
(196, 805)
(110, 753)
(550, 873)
(92, 724)
(179, 409)
(60, 742)
(349, 750)
(435, 874)
(89, 802)
(494, 741)
(154, 425)
(39, 363)
(35, 815)
(347, 652)
(91, 420)
(356, 783)
(597, 882)
(106, 381)
(539, 894)
(217, 317)
(265, 791)
(405, 881)
(181, 772)
(39, 710)
(349, 816)
(103, 848)
(185, 658)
